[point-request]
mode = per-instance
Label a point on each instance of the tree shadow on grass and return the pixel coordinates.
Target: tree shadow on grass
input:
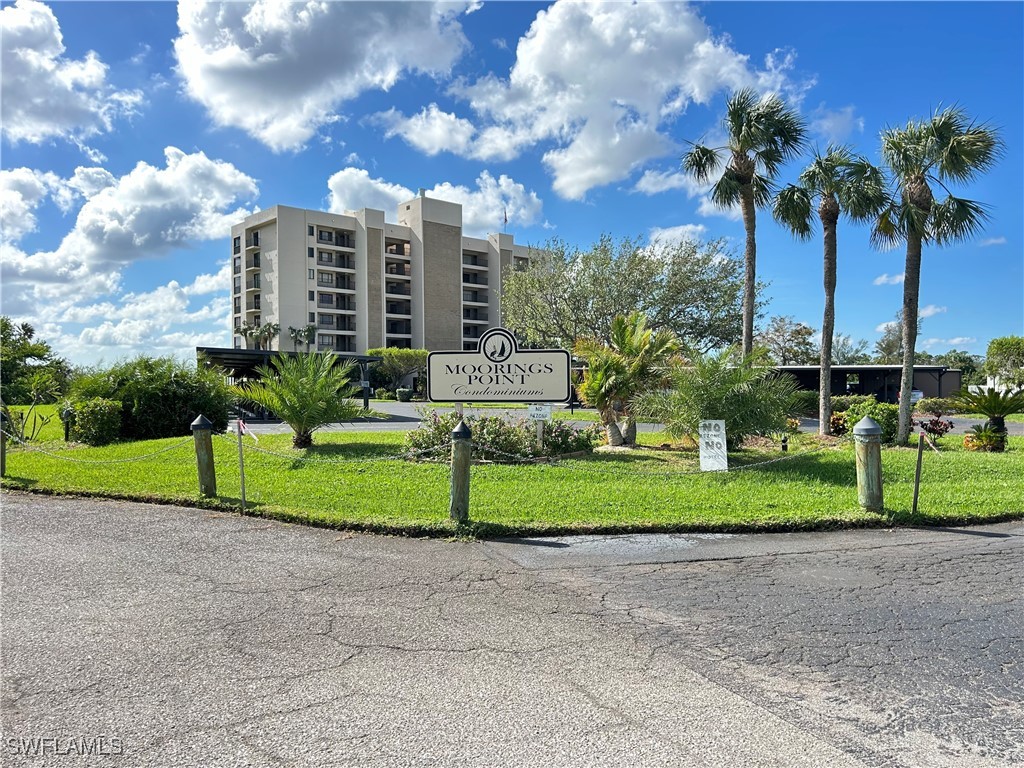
(799, 467)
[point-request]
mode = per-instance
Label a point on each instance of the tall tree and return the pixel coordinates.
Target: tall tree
(1005, 359)
(304, 335)
(948, 148)
(846, 351)
(788, 342)
(842, 183)
(690, 288)
(29, 369)
(762, 134)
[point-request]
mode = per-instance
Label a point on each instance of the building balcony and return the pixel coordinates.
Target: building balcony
(475, 297)
(398, 270)
(252, 306)
(474, 262)
(252, 262)
(398, 308)
(252, 241)
(472, 278)
(253, 283)
(479, 319)
(397, 289)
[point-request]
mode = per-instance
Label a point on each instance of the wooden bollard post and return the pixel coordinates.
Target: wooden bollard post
(867, 438)
(462, 451)
(202, 430)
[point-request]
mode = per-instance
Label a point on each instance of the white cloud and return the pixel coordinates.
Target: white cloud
(207, 283)
(990, 241)
(678, 233)
(483, 208)
(279, 71)
(883, 327)
(947, 344)
(46, 95)
(836, 125)
(930, 310)
(604, 81)
(22, 190)
(886, 279)
(654, 182)
(142, 215)
(430, 131)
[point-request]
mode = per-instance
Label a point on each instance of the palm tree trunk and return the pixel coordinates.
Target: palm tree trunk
(911, 291)
(828, 322)
(749, 267)
(629, 434)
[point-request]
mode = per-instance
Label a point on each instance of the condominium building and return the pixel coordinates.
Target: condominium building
(364, 283)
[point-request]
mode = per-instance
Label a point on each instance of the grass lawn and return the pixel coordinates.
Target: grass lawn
(348, 480)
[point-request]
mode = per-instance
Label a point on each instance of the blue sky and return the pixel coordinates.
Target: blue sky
(134, 134)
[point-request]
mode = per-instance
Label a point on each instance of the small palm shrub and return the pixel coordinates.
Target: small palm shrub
(994, 404)
(747, 394)
(886, 414)
(306, 391)
(983, 438)
(97, 421)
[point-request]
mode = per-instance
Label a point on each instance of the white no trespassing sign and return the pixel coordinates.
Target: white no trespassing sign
(713, 456)
(499, 372)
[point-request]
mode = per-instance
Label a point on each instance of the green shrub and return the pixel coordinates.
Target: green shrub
(984, 438)
(403, 394)
(97, 421)
(886, 414)
(806, 402)
(560, 438)
(496, 439)
(842, 403)
(159, 396)
(382, 393)
(936, 406)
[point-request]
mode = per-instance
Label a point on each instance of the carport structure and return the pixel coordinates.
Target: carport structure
(882, 381)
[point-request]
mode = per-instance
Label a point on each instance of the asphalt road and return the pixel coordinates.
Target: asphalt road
(205, 639)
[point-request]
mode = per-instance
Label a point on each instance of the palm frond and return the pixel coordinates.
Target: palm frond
(955, 219)
(725, 192)
(886, 232)
(969, 153)
(792, 209)
(702, 163)
(738, 110)
(763, 190)
(862, 191)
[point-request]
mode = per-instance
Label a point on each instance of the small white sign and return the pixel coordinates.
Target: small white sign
(538, 412)
(713, 456)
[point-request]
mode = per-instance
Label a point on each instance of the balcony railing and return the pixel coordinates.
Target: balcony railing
(474, 279)
(398, 269)
(477, 296)
(397, 289)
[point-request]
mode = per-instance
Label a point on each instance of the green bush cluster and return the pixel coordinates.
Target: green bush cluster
(96, 421)
(842, 403)
(160, 397)
(886, 414)
(404, 394)
(937, 406)
(496, 439)
(805, 402)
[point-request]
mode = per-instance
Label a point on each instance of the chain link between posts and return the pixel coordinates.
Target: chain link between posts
(27, 446)
(407, 455)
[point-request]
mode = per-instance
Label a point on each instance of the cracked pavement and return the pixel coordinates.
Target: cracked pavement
(208, 639)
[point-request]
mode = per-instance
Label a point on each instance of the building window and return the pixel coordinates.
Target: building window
(312, 274)
(312, 317)
(256, 301)
(238, 321)
(238, 285)
(256, 238)
(309, 251)
(256, 320)
(256, 259)
(238, 304)
(236, 245)
(310, 230)
(256, 280)
(237, 265)
(312, 296)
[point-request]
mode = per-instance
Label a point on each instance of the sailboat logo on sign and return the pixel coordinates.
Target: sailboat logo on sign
(498, 345)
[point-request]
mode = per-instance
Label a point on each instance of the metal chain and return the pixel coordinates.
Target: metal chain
(29, 447)
(317, 460)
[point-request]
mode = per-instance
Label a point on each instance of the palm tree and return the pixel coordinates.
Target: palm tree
(304, 335)
(762, 134)
(947, 148)
(307, 391)
(843, 183)
(633, 359)
(249, 331)
(266, 334)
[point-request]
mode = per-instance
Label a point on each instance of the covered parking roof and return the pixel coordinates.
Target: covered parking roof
(242, 363)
